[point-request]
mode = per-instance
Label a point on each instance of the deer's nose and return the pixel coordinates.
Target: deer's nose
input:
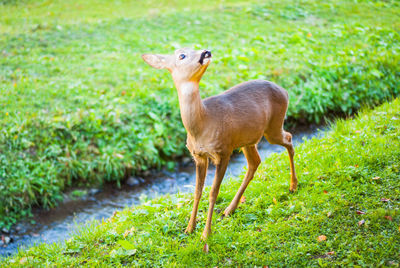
(205, 54)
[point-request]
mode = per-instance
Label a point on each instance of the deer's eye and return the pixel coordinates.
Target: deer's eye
(182, 56)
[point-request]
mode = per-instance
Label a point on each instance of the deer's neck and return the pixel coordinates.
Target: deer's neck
(191, 106)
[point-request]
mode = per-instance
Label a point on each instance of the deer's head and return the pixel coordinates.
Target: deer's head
(185, 65)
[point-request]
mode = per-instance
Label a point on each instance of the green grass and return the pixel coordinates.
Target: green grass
(78, 106)
(349, 192)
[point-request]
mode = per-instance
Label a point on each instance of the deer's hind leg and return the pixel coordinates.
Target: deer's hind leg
(253, 161)
(285, 139)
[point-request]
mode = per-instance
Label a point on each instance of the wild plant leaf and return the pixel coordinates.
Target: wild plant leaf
(126, 245)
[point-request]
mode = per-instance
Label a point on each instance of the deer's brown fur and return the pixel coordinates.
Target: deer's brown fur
(236, 118)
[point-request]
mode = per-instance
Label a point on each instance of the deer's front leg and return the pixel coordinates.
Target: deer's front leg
(201, 171)
(219, 175)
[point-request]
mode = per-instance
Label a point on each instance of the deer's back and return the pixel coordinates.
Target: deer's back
(246, 111)
(248, 98)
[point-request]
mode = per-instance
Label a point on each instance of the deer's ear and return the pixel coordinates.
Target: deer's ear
(156, 61)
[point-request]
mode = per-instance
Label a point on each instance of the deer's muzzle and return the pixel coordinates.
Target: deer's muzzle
(204, 55)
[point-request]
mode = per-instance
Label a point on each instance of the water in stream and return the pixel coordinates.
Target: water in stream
(58, 224)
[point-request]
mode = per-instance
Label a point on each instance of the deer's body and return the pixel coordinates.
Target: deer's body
(236, 118)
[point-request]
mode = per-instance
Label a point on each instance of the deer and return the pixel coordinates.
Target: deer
(237, 118)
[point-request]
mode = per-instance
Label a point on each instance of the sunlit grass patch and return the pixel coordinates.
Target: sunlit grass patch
(345, 212)
(79, 107)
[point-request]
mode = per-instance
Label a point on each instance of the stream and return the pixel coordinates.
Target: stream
(58, 224)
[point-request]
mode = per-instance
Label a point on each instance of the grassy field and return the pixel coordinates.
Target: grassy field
(345, 212)
(78, 106)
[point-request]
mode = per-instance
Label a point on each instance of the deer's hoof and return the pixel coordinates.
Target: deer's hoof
(189, 229)
(293, 188)
(228, 211)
